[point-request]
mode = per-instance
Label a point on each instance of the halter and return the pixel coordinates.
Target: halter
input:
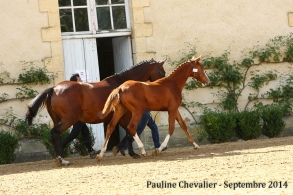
(194, 70)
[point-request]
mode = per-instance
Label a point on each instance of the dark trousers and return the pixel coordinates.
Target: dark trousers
(78, 127)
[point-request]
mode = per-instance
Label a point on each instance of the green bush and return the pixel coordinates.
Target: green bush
(273, 123)
(8, 144)
(248, 125)
(219, 126)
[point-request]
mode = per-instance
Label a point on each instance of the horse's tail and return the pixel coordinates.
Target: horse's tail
(111, 103)
(37, 103)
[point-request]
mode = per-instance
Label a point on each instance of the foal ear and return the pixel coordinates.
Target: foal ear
(196, 58)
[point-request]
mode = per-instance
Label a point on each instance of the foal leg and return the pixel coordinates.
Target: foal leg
(132, 130)
(185, 129)
(171, 120)
(118, 113)
(140, 145)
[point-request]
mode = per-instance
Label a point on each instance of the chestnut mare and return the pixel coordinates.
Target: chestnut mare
(161, 95)
(69, 102)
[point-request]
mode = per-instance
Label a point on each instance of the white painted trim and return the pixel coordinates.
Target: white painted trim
(99, 35)
(92, 20)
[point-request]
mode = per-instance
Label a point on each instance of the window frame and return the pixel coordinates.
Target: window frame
(93, 23)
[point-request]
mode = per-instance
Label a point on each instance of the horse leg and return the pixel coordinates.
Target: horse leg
(140, 144)
(118, 113)
(171, 120)
(185, 129)
(132, 130)
(55, 139)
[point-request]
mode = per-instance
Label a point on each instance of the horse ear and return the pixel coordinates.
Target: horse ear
(163, 61)
(199, 58)
(196, 58)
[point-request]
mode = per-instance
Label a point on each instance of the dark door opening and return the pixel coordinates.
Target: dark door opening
(106, 67)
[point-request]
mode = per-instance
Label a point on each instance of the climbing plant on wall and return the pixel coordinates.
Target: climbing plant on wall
(23, 87)
(231, 78)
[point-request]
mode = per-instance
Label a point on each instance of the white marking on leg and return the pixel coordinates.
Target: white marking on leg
(139, 143)
(103, 149)
(165, 142)
(65, 162)
(195, 145)
(62, 161)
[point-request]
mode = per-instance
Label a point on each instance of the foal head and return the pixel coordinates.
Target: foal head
(198, 72)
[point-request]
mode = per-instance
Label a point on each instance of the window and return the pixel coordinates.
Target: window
(93, 16)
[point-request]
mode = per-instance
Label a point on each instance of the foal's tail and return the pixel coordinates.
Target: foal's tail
(111, 103)
(38, 103)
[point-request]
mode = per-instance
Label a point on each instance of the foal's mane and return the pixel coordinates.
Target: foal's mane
(178, 67)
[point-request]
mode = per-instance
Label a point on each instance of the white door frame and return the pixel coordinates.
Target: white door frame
(82, 54)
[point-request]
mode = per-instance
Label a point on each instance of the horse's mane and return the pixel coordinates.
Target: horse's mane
(137, 65)
(133, 67)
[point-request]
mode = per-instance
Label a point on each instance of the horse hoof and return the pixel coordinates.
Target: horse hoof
(122, 151)
(135, 156)
(60, 161)
(164, 149)
(197, 148)
(115, 150)
(155, 153)
(99, 158)
(144, 155)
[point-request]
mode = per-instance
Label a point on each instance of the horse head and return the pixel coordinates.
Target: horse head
(159, 73)
(198, 72)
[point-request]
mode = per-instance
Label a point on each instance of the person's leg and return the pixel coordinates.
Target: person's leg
(87, 141)
(155, 133)
(143, 122)
(72, 135)
(85, 132)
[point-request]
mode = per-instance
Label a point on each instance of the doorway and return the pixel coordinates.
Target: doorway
(114, 56)
(106, 67)
(98, 58)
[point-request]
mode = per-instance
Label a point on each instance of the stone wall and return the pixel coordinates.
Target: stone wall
(30, 32)
(30, 149)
